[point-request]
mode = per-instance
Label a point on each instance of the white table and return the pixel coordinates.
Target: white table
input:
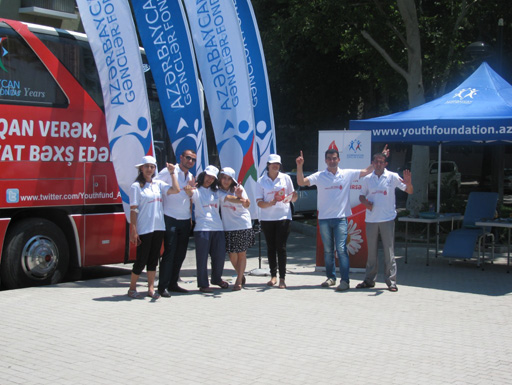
(428, 221)
(500, 222)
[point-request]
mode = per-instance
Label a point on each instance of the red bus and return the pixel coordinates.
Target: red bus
(60, 208)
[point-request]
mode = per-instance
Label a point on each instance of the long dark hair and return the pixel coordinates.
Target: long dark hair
(200, 181)
(231, 187)
(140, 177)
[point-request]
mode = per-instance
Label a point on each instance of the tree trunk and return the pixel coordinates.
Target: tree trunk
(416, 92)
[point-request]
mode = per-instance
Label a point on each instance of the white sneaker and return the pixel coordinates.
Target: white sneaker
(328, 282)
(343, 286)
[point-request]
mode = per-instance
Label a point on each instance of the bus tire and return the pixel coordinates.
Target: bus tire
(36, 253)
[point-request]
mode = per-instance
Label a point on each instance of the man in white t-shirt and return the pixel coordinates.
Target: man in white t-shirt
(333, 203)
(378, 195)
(178, 222)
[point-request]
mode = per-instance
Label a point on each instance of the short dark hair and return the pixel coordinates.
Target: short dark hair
(188, 149)
(379, 155)
(332, 151)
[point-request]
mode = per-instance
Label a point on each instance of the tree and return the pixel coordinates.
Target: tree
(422, 43)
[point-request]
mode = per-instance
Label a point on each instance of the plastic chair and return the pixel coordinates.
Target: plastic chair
(461, 243)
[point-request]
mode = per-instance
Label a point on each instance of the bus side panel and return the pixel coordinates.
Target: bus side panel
(37, 184)
(105, 239)
(4, 222)
(101, 184)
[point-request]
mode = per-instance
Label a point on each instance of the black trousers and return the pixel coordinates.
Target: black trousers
(276, 235)
(177, 234)
(148, 252)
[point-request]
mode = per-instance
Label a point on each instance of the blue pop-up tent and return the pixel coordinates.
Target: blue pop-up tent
(478, 110)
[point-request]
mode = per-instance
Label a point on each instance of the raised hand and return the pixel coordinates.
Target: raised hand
(188, 189)
(238, 191)
(385, 151)
(407, 177)
(171, 167)
(300, 160)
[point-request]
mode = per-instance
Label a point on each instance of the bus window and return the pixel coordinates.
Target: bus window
(38, 89)
(77, 57)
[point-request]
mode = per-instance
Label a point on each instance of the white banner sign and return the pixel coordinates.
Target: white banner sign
(111, 32)
(222, 64)
(355, 149)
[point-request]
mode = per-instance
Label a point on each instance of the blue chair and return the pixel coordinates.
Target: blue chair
(461, 243)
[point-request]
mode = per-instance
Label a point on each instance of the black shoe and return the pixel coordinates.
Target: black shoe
(178, 289)
(164, 293)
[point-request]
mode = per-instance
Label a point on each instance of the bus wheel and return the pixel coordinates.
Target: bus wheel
(36, 253)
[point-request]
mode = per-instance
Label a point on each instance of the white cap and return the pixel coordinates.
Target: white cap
(148, 159)
(212, 171)
(274, 158)
(229, 172)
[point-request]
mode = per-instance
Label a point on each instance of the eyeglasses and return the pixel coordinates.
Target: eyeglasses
(187, 157)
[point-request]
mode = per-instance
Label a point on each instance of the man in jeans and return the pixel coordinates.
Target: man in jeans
(178, 222)
(333, 202)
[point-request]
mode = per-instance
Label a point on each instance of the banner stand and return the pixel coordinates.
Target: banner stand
(354, 148)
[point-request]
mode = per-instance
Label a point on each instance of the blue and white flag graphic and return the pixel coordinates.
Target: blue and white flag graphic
(166, 39)
(258, 80)
(221, 60)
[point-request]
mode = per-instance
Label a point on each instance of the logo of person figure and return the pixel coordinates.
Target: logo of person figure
(355, 145)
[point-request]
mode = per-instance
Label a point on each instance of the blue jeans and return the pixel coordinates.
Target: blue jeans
(211, 243)
(334, 235)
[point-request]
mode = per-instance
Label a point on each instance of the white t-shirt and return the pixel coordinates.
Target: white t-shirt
(381, 192)
(206, 209)
(149, 201)
(234, 215)
(267, 189)
(333, 199)
(176, 205)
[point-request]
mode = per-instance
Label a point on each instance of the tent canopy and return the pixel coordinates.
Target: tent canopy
(479, 109)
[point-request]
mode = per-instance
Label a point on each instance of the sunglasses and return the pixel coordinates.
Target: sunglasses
(190, 158)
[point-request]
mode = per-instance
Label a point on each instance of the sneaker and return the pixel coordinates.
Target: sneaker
(328, 282)
(343, 286)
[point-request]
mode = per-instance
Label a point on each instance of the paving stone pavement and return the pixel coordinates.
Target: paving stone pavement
(447, 324)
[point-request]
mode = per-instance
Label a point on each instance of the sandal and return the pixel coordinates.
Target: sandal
(393, 288)
(133, 294)
(222, 284)
(272, 281)
(237, 287)
(154, 295)
(364, 285)
(282, 284)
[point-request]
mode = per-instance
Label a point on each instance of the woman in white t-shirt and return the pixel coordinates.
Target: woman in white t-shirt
(236, 220)
(147, 224)
(274, 193)
(208, 231)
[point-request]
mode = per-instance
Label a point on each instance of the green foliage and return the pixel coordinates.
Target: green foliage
(323, 72)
